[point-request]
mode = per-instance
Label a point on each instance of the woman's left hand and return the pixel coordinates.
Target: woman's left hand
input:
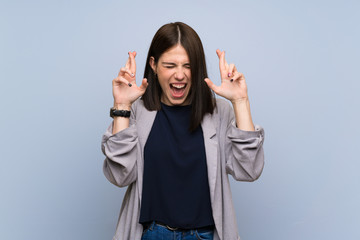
(233, 85)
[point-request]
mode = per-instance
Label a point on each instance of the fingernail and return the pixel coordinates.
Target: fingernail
(132, 75)
(231, 80)
(130, 84)
(229, 74)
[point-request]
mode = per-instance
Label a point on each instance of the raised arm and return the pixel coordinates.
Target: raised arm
(120, 141)
(233, 87)
(244, 151)
(125, 91)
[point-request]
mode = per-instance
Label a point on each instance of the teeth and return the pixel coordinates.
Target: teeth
(178, 86)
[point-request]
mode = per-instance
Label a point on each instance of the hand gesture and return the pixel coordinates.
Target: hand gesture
(125, 90)
(233, 85)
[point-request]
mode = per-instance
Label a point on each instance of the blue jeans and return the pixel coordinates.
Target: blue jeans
(158, 232)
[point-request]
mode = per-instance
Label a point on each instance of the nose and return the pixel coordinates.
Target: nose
(179, 75)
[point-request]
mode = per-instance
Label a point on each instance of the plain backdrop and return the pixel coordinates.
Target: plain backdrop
(300, 59)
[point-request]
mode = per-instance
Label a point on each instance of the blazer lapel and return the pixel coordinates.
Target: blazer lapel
(144, 122)
(211, 146)
(211, 149)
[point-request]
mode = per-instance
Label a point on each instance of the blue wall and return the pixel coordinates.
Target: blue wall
(57, 61)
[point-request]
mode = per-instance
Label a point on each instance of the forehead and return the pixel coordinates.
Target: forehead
(175, 54)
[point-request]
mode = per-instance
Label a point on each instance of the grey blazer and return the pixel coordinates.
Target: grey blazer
(229, 150)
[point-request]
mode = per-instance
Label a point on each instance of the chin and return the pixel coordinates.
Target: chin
(180, 102)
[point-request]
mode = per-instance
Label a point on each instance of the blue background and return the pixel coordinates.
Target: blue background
(57, 61)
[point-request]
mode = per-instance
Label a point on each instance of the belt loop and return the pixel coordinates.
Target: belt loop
(152, 225)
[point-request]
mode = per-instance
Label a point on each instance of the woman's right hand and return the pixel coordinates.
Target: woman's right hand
(125, 90)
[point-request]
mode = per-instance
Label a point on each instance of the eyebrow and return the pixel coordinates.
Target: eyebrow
(171, 63)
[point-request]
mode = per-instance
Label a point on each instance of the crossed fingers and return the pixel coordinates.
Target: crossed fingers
(227, 71)
(127, 73)
(131, 63)
(130, 66)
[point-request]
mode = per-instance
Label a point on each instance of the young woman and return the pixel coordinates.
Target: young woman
(172, 143)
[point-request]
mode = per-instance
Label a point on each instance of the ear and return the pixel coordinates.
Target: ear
(152, 64)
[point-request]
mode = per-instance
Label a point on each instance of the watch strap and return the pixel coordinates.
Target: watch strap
(119, 113)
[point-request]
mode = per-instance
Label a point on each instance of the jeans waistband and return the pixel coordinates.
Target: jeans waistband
(150, 225)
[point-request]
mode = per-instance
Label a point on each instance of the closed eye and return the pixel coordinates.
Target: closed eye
(173, 65)
(169, 64)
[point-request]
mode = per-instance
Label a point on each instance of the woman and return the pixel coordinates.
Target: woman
(174, 146)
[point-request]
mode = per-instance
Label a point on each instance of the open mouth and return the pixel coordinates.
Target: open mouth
(178, 89)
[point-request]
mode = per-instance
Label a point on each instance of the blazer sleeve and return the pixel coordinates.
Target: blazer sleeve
(244, 149)
(121, 151)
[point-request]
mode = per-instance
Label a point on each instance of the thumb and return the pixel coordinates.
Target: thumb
(210, 84)
(144, 84)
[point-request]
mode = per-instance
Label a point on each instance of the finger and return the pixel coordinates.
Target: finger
(211, 85)
(218, 52)
(144, 84)
(223, 65)
(225, 62)
(132, 62)
(238, 76)
(128, 62)
(124, 71)
(120, 80)
(221, 55)
(242, 77)
(231, 70)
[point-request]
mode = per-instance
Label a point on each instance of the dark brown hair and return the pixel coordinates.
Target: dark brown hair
(200, 96)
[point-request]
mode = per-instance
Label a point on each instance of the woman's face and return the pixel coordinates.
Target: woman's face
(173, 72)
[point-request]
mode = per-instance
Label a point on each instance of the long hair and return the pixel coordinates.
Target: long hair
(201, 97)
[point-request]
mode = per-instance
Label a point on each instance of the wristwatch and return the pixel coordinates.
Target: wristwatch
(119, 113)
